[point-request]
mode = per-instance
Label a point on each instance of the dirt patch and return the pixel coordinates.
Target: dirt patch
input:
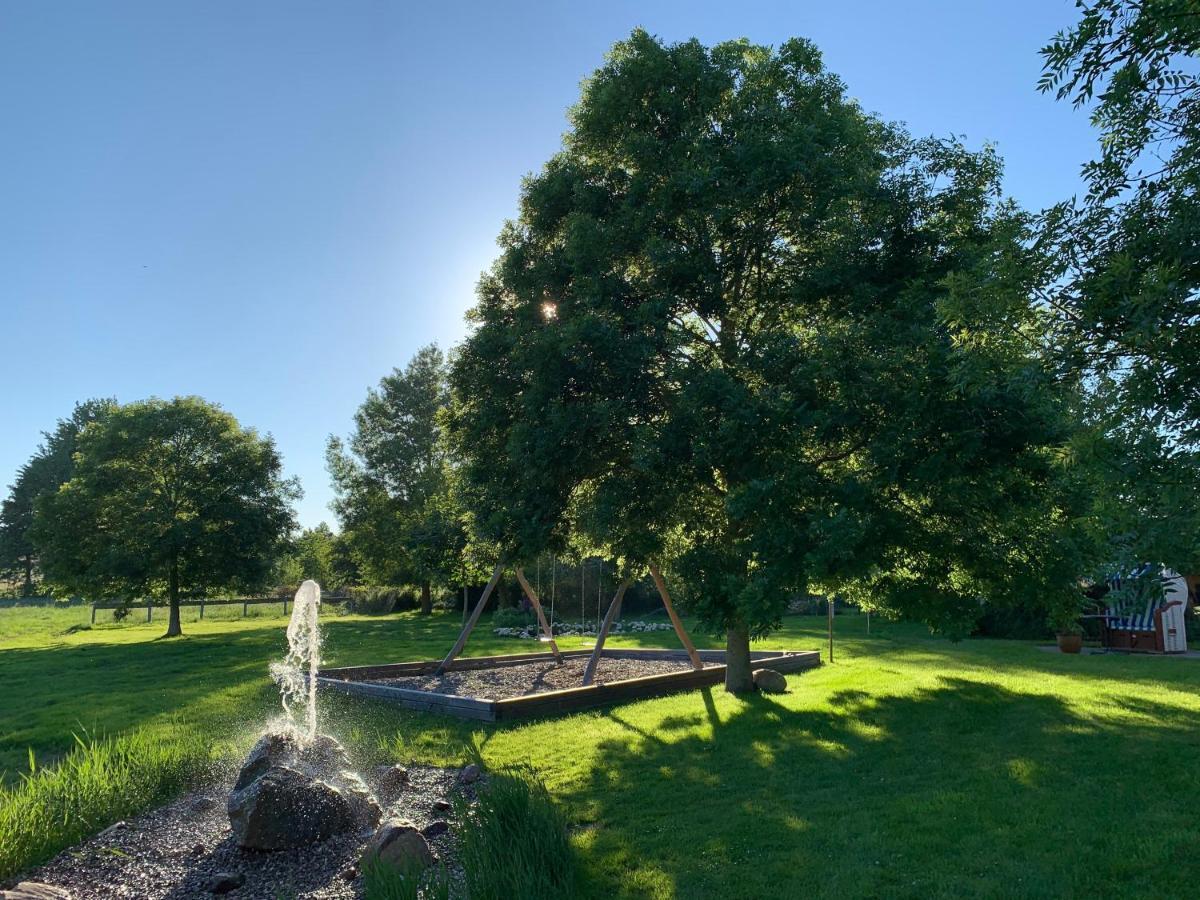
(538, 677)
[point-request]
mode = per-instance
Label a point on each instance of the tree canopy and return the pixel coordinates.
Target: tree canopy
(168, 498)
(50, 466)
(743, 328)
(1127, 297)
(393, 482)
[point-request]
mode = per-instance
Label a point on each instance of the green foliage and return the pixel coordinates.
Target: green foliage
(385, 881)
(377, 601)
(1127, 298)
(168, 497)
(746, 329)
(394, 480)
(101, 781)
(514, 841)
(316, 553)
(49, 467)
(512, 617)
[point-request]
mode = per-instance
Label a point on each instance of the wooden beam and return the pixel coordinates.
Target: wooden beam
(679, 629)
(475, 614)
(609, 617)
(537, 606)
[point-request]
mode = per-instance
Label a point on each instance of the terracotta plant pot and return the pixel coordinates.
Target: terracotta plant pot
(1070, 643)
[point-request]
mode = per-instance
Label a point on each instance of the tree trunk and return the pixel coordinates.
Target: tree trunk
(27, 590)
(426, 599)
(173, 629)
(738, 671)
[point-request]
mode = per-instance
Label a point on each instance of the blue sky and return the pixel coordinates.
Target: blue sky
(272, 204)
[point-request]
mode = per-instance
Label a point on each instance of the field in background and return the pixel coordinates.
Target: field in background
(911, 767)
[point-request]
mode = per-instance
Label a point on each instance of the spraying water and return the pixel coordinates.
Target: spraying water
(297, 673)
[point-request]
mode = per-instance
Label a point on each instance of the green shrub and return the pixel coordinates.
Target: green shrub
(100, 782)
(512, 617)
(373, 601)
(515, 843)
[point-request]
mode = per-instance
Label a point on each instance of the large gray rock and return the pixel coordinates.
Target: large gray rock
(35, 890)
(272, 749)
(363, 807)
(285, 808)
(290, 793)
(398, 844)
(322, 756)
(769, 681)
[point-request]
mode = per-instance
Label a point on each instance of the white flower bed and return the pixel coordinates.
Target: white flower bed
(533, 631)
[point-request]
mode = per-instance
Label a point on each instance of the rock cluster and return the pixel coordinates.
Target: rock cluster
(291, 793)
(401, 845)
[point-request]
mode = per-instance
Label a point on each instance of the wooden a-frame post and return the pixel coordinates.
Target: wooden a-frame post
(609, 617)
(697, 664)
(537, 607)
(470, 624)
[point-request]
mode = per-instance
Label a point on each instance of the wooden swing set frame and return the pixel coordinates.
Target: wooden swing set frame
(614, 609)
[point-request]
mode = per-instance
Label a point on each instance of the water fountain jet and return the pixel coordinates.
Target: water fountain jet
(296, 786)
(296, 675)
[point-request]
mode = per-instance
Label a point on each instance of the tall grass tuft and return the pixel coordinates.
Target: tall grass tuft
(514, 840)
(383, 881)
(100, 782)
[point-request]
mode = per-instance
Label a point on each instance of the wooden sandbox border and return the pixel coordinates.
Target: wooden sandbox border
(359, 680)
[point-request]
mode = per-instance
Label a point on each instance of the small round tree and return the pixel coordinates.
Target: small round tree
(168, 498)
(745, 330)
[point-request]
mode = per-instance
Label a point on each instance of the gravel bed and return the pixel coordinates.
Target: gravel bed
(538, 677)
(173, 851)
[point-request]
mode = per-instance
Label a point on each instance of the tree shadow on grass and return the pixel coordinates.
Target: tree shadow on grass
(964, 789)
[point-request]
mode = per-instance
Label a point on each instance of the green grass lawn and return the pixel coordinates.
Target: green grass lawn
(911, 767)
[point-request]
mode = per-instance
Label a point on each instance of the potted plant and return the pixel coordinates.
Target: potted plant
(1064, 619)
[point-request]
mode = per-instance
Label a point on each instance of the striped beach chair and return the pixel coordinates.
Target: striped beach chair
(1158, 627)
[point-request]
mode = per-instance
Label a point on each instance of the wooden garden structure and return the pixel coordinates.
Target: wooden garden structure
(614, 609)
(372, 681)
(704, 667)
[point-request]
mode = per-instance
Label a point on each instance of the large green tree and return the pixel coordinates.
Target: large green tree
(169, 498)
(393, 480)
(1128, 295)
(50, 466)
(313, 553)
(743, 328)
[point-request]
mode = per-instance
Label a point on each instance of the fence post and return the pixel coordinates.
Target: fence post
(245, 607)
(93, 613)
(147, 610)
(831, 628)
(202, 608)
(285, 606)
